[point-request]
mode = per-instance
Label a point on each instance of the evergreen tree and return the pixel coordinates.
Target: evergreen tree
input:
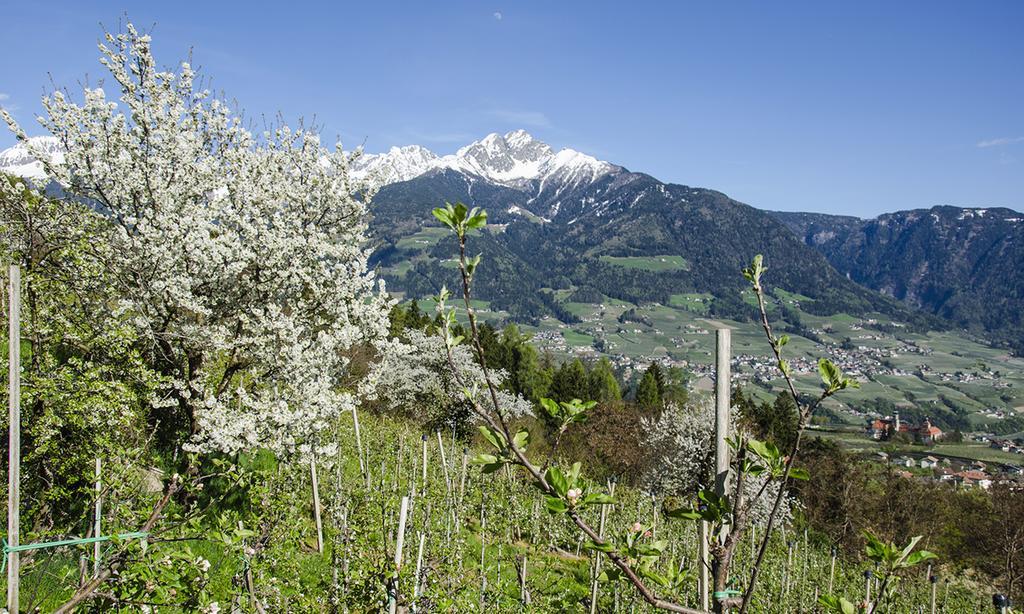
(647, 396)
(676, 379)
(570, 382)
(659, 378)
(604, 388)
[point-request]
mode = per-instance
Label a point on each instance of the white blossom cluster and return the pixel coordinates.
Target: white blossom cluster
(683, 440)
(416, 376)
(241, 258)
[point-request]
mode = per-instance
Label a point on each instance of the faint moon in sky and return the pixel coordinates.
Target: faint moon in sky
(498, 15)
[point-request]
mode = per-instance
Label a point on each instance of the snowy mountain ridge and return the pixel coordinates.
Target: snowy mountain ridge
(19, 161)
(514, 159)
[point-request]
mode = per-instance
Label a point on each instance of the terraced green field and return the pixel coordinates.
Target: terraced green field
(649, 263)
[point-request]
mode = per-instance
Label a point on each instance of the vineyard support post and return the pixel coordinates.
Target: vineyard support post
(702, 562)
(424, 465)
(316, 506)
(14, 439)
(97, 528)
(832, 570)
(444, 464)
(359, 448)
(399, 543)
(419, 569)
(597, 558)
(723, 381)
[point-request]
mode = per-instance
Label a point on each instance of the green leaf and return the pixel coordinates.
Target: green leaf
(598, 498)
(839, 605)
(557, 480)
(551, 407)
(556, 505)
(798, 473)
(684, 513)
(476, 220)
(445, 216)
(830, 374)
(919, 557)
(521, 439)
(491, 436)
(605, 547)
(484, 459)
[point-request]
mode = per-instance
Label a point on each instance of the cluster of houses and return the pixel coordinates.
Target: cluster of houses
(884, 429)
(966, 474)
(1015, 446)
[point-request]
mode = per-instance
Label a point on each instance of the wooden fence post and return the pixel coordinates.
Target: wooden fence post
(14, 439)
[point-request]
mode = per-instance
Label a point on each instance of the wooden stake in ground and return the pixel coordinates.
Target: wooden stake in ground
(444, 464)
(934, 582)
(424, 465)
(316, 507)
(524, 595)
(359, 448)
(14, 439)
(462, 480)
(597, 558)
(702, 562)
(483, 557)
(96, 531)
(723, 381)
(399, 542)
(832, 571)
(419, 570)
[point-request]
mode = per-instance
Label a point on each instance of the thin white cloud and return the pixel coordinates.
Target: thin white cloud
(4, 96)
(535, 119)
(1005, 140)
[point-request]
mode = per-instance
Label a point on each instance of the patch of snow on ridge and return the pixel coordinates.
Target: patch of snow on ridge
(20, 160)
(511, 159)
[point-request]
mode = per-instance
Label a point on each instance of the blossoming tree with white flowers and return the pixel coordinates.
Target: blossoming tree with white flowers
(239, 257)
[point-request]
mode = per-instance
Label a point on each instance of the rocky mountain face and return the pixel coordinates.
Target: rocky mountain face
(963, 264)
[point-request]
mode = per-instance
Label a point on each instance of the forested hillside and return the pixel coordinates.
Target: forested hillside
(621, 215)
(963, 264)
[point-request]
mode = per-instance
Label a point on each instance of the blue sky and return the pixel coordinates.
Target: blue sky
(855, 108)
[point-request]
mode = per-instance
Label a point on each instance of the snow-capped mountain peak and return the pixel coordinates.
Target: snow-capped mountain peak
(397, 164)
(19, 160)
(512, 159)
